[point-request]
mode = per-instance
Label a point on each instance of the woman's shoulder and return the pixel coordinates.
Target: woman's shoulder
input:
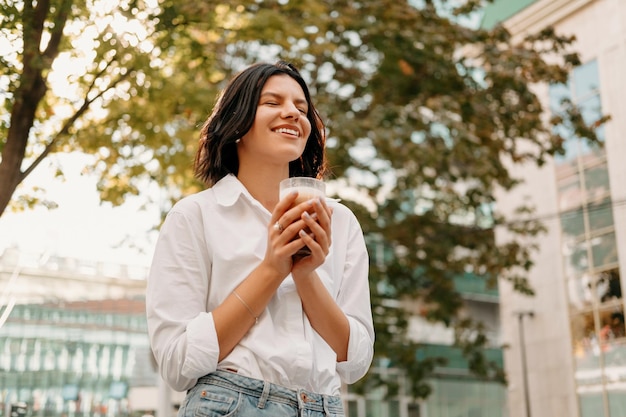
(340, 210)
(225, 192)
(194, 202)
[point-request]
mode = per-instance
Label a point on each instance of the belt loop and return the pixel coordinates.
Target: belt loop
(264, 395)
(325, 402)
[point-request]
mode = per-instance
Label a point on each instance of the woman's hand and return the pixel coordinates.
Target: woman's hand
(283, 241)
(318, 239)
(291, 229)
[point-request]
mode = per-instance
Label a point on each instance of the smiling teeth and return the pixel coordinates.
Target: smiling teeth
(288, 131)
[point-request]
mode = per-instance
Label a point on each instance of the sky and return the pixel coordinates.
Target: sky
(80, 227)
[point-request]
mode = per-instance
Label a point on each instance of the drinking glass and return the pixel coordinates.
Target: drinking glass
(307, 188)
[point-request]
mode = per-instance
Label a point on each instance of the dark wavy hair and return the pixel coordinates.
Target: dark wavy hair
(233, 116)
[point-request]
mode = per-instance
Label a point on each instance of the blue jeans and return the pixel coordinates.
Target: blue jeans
(223, 393)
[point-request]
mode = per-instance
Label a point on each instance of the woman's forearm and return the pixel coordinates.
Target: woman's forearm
(242, 308)
(325, 316)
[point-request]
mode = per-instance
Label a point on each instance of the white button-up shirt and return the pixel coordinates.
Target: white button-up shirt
(208, 244)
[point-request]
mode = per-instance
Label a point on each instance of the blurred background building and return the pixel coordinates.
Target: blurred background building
(72, 338)
(571, 333)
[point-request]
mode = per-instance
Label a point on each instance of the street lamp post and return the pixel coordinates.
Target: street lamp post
(520, 324)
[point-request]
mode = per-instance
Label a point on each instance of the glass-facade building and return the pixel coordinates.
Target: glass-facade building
(72, 338)
(577, 340)
(75, 357)
(590, 257)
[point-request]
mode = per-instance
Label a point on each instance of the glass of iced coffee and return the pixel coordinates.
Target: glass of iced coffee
(307, 188)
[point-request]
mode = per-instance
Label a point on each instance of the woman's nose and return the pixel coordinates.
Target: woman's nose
(291, 111)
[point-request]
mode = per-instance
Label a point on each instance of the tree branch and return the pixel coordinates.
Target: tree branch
(69, 122)
(56, 34)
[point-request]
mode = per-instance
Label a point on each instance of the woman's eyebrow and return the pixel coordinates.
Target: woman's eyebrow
(280, 96)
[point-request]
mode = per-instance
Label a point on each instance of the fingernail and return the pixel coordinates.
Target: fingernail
(306, 214)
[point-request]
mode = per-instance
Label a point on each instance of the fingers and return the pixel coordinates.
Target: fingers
(318, 226)
(281, 208)
(307, 223)
(285, 220)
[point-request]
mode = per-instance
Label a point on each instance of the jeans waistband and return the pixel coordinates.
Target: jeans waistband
(267, 391)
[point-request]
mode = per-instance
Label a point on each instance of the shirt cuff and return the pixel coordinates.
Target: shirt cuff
(360, 354)
(202, 347)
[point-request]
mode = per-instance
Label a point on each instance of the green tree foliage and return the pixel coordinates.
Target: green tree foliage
(425, 117)
(93, 53)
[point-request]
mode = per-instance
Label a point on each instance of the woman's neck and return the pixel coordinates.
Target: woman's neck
(263, 184)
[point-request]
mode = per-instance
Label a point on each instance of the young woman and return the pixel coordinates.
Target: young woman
(233, 317)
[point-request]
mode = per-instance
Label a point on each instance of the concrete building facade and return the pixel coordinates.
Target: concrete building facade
(567, 344)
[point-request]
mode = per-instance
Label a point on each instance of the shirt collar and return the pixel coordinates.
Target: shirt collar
(228, 190)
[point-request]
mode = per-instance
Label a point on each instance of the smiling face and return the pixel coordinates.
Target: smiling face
(281, 128)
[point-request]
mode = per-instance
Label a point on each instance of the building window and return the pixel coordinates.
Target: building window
(590, 253)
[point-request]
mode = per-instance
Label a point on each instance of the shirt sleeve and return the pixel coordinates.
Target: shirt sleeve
(354, 300)
(182, 333)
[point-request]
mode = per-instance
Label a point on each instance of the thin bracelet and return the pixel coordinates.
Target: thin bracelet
(256, 318)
